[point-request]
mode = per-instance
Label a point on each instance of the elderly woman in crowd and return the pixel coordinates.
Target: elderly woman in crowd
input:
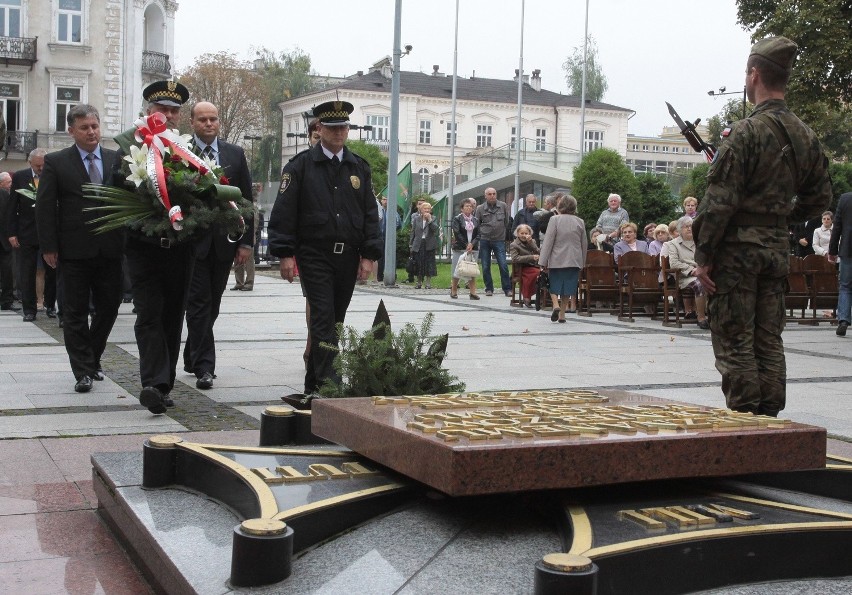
(424, 242)
(465, 242)
(822, 235)
(525, 253)
(611, 219)
(661, 236)
(597, 240)
(690, 207)
(648, 233)
(682, 259)
(563, 254)
(628, 242)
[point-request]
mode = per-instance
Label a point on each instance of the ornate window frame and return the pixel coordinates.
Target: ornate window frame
(64, 77)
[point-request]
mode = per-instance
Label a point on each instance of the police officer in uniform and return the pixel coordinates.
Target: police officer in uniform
(325, 216)
(160, 271)
(771, 170)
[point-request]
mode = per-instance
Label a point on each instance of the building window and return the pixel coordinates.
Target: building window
(69, 26)
(656, 149)
(483, 135)
(665, 149)
(10, 105)
(10, 18)
(513, 137)
(540, 139)
(380, 126)
(66, 98)
(594, 140)
(425, 132)
(451, 134)
(645, 148)
(425, 180)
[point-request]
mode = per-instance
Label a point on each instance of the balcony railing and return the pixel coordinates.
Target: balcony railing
(156, 63)
(18, 50)
(20, 142)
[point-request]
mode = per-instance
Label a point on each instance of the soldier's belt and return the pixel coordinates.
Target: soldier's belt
(758, 220)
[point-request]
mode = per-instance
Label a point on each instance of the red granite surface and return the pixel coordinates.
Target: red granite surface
(470, 467)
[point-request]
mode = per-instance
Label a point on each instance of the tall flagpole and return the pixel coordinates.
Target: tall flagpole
(520, 107)
(451, 197)
(393, 155)
(583, 88)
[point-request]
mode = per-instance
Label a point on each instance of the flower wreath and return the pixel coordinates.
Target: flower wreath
(176, 193)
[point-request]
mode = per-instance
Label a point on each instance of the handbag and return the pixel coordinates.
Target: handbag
(467, 267)
(411, 265)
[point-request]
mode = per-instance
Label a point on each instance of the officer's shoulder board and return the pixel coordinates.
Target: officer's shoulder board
(299, 154)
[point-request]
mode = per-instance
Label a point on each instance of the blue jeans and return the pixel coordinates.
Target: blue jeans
(844, 300)
(499, 249)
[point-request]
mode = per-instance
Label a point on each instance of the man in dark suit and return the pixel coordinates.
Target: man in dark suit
(7, 299)
(23, 237)
(91, 262)
(841, 245)
(215, 252)
(160, 271)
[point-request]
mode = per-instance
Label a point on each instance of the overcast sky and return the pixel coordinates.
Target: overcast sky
(651, 51)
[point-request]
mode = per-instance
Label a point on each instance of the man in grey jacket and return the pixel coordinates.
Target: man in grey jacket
(495, 220)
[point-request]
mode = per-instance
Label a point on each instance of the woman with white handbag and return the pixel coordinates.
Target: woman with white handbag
(465, 247)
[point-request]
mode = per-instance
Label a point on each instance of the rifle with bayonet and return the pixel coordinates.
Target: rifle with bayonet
(687, 129)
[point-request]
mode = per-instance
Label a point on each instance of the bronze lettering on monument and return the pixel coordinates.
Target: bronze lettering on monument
(314, 472)
(557, 415)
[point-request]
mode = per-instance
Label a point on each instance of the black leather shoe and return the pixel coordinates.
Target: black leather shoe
(29, 317)
(205, 382)
(841, 328)
(153, 399)
(237, 288)
(10, 308)
(83, 385)
(98, 375)
(167, 401)
(51, 312)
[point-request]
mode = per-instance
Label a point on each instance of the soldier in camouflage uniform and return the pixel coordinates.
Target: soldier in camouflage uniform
(770, 170)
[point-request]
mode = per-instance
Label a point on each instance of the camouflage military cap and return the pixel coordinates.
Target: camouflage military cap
(778, 50)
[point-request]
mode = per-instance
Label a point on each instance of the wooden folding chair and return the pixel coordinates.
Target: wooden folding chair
(597, 282)
(638, 273)
(823, 284)
(797, 294)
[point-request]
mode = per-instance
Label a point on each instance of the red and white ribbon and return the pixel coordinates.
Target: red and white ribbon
(151, 131)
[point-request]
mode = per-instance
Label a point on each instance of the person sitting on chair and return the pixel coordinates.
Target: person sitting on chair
(524, 252)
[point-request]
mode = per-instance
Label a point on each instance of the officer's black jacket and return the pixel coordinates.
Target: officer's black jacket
(315, 204)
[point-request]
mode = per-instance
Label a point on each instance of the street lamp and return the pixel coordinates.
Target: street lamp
(721, 91)
(368, 128)
(297, 136)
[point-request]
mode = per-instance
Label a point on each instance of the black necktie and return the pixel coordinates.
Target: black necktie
(335, 161)
(95, 176)
(208, 153)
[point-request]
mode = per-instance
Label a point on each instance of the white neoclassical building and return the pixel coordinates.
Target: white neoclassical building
(486, 128)
(57, 53)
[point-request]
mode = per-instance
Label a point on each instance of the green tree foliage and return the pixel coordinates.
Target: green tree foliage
(820, 89)
(841, 180)
(281, 76)
(378, 161)
(596, 83)
(696, 183)
(658, 203)
(602, 172)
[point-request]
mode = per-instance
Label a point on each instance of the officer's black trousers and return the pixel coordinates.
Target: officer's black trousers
(160, 278)
(329, 281)
(209, 280)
